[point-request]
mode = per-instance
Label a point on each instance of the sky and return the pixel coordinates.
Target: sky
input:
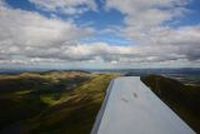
(99, 34)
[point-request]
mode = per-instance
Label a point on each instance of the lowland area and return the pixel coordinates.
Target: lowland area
(68, 101)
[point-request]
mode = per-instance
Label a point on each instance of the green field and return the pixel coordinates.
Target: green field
(56, 102)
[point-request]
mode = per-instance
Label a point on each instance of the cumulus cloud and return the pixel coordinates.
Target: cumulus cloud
(31, 29)
(26, 34)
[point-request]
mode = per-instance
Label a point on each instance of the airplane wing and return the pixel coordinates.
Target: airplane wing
(130, 107)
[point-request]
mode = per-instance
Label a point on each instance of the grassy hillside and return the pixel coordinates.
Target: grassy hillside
(183, 99)
(54, 102)
(68, 102)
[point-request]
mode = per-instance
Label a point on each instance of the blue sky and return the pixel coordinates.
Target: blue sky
(104, 18)
(99, 19)
(107, 33)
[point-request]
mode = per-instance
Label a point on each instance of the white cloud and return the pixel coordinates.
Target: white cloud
(22, 28)
(26, 34)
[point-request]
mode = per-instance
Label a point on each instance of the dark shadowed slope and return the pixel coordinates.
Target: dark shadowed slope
(183, 99)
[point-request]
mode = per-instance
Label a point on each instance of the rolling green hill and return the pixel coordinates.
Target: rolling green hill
(54, 102)
(68, 102)
(183, 99)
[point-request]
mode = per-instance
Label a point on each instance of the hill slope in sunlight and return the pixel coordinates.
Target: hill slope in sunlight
(54, 102)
